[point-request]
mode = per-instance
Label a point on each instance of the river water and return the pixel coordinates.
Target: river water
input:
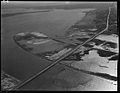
(16, 61)
(20, 64)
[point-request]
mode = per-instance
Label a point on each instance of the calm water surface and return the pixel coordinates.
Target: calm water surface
(16, 61)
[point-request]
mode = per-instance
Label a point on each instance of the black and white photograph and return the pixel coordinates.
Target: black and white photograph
(59, 46)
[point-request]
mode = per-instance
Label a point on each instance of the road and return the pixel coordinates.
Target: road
(63, 56)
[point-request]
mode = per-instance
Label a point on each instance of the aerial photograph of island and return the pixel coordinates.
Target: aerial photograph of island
(59, 46)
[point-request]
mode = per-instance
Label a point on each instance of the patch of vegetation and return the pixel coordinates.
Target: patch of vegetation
(115, 57)
(88, 45)
(101, 18)
(17, 38)
(82, 39)
(112, 23)
(97, 41)
(25, 47)
(103, 53)
(111, 44)
(93, 19)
